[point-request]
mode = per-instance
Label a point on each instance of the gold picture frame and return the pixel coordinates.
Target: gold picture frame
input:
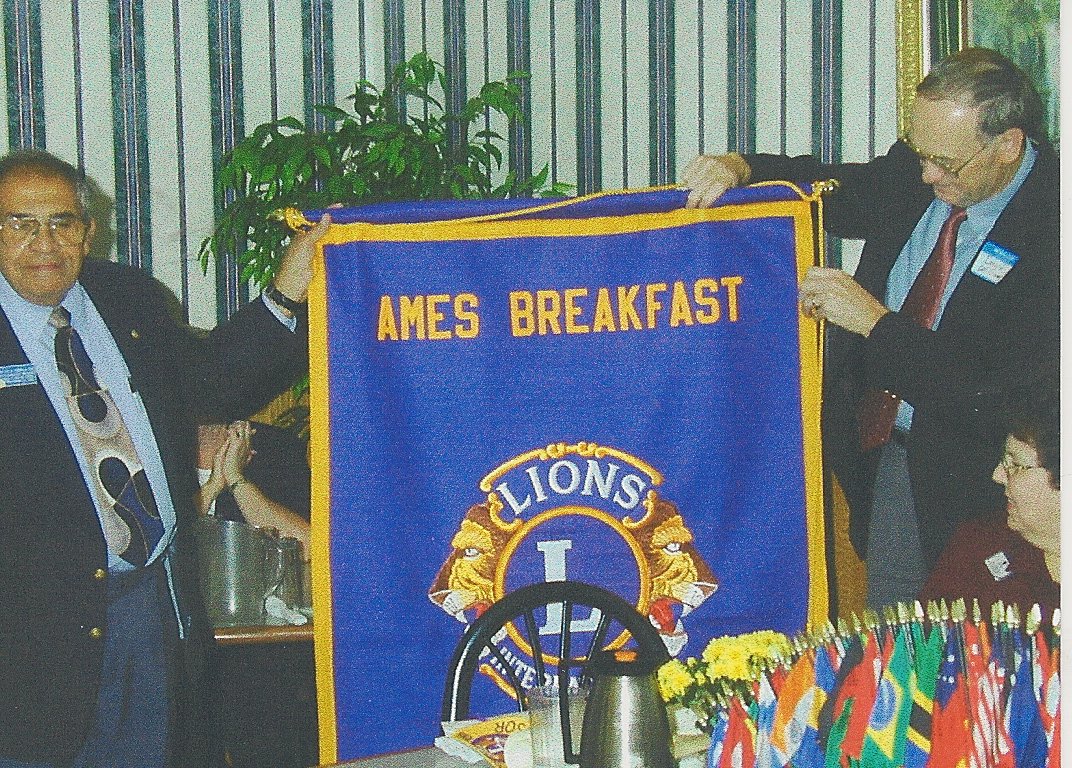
(927, 31)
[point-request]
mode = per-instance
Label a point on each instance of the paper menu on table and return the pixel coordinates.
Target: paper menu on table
(483, 739)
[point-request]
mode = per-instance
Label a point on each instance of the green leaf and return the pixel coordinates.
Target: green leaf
(537, 181)
(228, 178)
(203, 254)
(290, 122)
(245, 154)
(474, 107)
(323, 156)
(290, 170)
(267, 173)
(331, 111)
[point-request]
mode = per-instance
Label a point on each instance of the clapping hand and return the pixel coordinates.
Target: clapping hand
(235, 453)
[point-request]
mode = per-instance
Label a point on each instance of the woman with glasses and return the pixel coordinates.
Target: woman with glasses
(1014, 555)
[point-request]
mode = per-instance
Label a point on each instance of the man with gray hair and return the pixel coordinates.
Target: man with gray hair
(99, 391)
(957, 285)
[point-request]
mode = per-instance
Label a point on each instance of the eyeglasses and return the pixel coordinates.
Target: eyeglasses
(19, 231)
(1013, 467)
(945, 164)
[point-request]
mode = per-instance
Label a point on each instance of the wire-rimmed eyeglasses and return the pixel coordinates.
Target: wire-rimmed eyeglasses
(17, 231)
(1012, 467)
(948, 165)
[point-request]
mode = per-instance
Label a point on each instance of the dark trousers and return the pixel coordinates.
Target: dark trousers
(268, 713)
(130, 728)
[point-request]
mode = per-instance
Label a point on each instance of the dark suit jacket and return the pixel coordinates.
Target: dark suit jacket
(52, 550)
(955, 376)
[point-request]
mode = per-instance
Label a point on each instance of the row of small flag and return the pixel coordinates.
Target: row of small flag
(941, 689)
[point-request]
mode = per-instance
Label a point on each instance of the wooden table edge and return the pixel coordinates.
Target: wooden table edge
(291, 633)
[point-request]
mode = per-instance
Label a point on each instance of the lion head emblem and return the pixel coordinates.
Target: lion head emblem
(464, 586)
(680, 579)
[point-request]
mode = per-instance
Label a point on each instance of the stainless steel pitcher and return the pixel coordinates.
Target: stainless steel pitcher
(625, 722)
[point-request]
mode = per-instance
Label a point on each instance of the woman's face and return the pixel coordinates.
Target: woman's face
(1034, 505)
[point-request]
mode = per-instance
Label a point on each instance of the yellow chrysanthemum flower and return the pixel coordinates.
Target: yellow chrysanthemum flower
(740, 657)
(674, 680)
(724, 665)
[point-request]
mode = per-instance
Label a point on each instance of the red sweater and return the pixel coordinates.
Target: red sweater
(987, 560)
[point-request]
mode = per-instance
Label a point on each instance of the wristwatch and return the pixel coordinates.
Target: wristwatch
(278, 297)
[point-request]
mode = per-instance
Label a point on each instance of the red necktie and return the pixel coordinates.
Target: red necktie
(877, 411)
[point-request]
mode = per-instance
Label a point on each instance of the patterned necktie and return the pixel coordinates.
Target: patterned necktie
(132, 525)
(877, 411)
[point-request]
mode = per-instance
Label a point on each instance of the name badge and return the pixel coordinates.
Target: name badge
(998, 565)
(993, 262)
(17, 375)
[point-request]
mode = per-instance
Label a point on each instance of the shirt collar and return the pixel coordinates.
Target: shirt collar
(32, 317)
(983, 214)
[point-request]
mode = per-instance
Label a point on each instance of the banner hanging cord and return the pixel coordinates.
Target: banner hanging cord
(295, 219)
(818, 189)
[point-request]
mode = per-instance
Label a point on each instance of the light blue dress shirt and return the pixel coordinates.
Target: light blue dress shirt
(37, 337)
(970, 238)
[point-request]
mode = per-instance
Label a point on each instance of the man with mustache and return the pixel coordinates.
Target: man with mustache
(102, 626)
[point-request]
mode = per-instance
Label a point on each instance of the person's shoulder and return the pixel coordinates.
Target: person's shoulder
(102, 273)
(989, 529)
(1042, 184)
(1048, 158)
(962, 570)
(112, 283)
(977, 538)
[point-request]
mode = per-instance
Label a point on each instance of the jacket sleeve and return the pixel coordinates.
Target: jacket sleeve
(245, 362)
(228, 372)
(868, 194)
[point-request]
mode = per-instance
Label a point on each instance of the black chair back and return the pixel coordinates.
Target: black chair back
(518, 610)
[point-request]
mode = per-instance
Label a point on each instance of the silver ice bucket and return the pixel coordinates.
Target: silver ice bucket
(239, 567)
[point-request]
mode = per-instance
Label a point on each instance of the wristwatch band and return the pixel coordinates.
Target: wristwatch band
(287, 303)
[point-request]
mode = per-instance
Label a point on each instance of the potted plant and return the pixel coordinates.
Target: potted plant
(393, 145)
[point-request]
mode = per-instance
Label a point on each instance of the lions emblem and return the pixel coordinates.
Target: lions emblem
(464, 586)
(591, 509)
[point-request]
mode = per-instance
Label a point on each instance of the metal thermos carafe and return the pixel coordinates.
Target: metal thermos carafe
(625, 722)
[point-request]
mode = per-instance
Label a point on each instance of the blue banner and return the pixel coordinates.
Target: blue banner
(611, 389)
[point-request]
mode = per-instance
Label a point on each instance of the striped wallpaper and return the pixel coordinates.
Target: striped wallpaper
(147, 94)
